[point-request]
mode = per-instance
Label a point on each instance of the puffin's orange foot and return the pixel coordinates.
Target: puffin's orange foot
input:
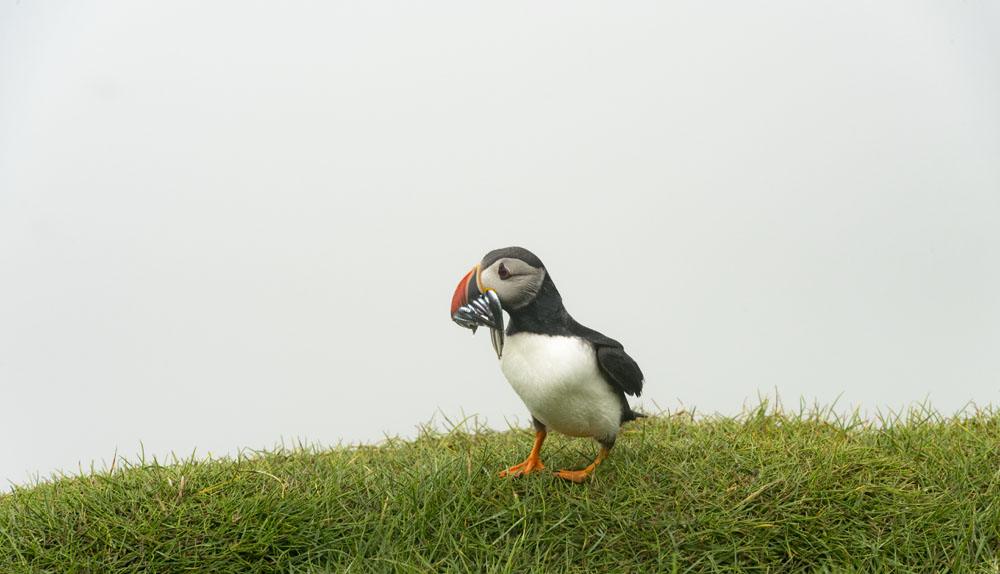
(527, 467)
(576, 476)
(581, 475)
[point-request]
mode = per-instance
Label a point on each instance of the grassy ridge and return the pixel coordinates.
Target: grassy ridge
(766, 491)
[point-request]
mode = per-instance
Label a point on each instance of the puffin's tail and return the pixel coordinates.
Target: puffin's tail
(632, 415)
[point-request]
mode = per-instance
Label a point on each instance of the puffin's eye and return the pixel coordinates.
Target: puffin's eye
(503, 272)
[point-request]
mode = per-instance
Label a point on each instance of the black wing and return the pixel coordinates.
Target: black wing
(620, 369)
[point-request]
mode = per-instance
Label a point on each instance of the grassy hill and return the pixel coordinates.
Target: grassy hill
(766, 491)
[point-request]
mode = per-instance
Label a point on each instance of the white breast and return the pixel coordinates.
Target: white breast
(559, 381)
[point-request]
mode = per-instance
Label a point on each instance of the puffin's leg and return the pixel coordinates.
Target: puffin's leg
(533, 463)
(582, 474)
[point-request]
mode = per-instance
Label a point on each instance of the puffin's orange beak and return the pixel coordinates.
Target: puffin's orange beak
(471, 307)
(468, 289)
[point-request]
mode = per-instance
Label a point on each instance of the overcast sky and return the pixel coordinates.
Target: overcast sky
(223, 224)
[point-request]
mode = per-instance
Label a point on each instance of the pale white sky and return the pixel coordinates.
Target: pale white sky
(226, 223)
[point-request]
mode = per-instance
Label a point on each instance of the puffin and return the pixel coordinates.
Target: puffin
(573, 379)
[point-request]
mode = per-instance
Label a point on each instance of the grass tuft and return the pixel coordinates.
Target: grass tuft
(765, 491)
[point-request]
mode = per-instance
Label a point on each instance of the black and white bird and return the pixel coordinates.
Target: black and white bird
(572, 378)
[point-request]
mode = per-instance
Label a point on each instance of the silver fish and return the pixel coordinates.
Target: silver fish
(484, 311)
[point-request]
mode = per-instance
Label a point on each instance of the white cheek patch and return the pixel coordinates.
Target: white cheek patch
(516, 291)
(532, 285)
(488, 279)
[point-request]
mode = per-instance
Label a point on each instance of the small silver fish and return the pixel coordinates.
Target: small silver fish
(484, 311)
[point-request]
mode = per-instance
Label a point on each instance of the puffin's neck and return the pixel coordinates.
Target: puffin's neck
(545, 315)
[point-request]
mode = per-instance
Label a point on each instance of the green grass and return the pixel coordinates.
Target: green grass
(766, 491)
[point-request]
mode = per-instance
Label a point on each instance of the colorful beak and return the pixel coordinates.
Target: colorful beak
(467, 290)
(472, 308)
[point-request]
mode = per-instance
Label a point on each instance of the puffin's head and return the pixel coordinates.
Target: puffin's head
(513, 273)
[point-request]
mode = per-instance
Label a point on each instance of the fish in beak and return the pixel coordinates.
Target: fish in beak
(472, 308)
